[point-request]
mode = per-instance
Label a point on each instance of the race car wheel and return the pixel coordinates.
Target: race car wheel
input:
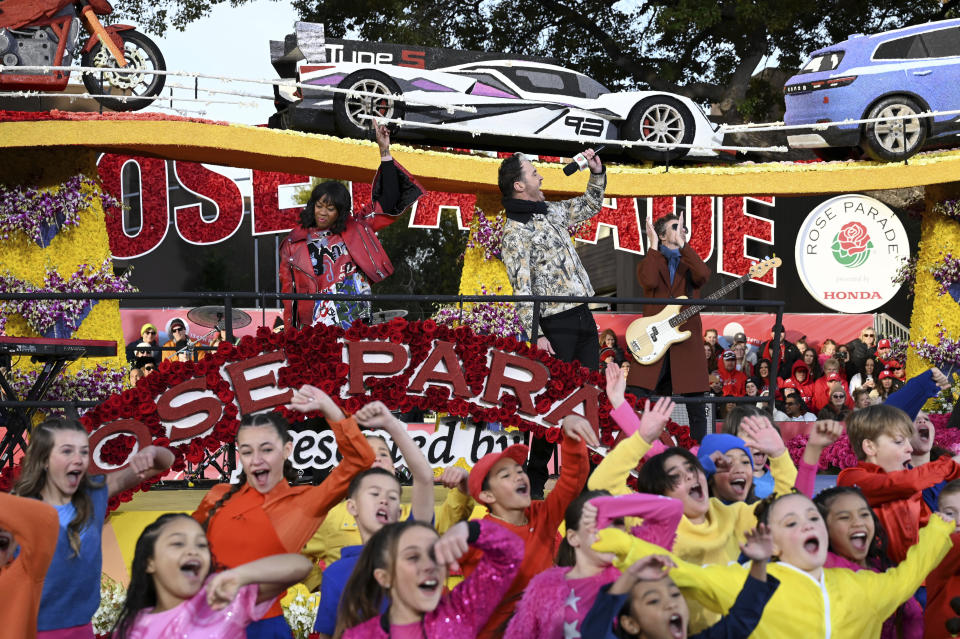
(892, 140)
(663, 121)
(349, 111)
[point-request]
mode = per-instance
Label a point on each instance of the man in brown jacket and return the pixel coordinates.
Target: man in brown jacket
(671, 269)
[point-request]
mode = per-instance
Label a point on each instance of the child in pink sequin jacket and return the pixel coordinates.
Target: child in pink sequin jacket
(408, 563)
(556, 601)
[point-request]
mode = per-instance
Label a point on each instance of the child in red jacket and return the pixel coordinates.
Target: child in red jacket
(499, 482)
(880, 438)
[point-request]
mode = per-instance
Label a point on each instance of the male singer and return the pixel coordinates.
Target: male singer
(541, 260)
(671, 269)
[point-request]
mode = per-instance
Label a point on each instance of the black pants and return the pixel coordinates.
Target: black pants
(573, 335)
(697, 413)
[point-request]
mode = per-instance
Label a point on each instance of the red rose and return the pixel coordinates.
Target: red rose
(543, 405)
(853, 238)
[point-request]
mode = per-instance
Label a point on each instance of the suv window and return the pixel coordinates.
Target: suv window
(901, 49)
(943, 43)
(824, 62)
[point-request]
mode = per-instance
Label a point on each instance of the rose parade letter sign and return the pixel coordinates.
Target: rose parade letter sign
(848, 250)
(195, 407)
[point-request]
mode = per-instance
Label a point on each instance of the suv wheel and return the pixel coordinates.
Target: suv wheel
(898, 139)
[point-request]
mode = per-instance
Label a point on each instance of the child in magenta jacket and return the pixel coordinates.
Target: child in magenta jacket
(408, 563)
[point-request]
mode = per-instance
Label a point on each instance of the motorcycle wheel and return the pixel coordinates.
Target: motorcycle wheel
(127, 91)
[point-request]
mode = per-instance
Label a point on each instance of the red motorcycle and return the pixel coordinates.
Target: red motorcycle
(47, 33)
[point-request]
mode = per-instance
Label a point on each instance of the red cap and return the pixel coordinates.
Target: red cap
(789, 383)
(892, 363)
(884, 343)
(729, 355)
(885, 374)
(517, 452)
(834, 377)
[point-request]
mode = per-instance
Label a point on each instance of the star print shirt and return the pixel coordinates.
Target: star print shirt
(553, 607)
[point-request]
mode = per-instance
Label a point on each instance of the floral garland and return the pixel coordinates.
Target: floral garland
(946, 272)
(486, 234)
(87, 385)
(948, 208)
(40, 213)
(486, 318)
(945, 353)
(906, 275)
(112, 597)
(309, 353)
(43, 315)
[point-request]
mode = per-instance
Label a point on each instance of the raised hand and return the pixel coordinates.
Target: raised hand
(593, 161)
(144, 462)
(308, 399)
(824, 433)
(222, 588)
(941, 380)
(580, 430)
(759, 433)
(383, 138)
(588, 518)
(455, 477)
(376, 415)
(652, 240)
(655, 418)
(651, 568)
(452, 545)
(616, 384)
(759, 543)
(722, 462)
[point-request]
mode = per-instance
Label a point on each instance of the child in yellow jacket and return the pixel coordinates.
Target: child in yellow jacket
(812, 601)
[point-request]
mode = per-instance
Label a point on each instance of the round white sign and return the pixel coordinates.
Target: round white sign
(848, 250)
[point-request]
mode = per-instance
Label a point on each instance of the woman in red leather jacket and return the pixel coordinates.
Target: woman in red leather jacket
(335, 249)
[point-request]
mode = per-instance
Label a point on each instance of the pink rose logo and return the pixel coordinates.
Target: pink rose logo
(851, 246)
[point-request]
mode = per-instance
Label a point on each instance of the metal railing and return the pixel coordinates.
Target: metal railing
(10, 408)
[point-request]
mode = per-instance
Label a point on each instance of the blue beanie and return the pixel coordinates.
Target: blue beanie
(723, 443)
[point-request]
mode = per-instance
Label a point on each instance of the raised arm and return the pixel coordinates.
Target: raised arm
(476, 597)
(377, 415)
(352, 444)
(35, 527)
(824, 433)
(272, 574)
(574, 467)
(147, 463)
(887, 590)
(458, 505)
(758, 432)
(880, 488)
(583, 207)
(660, 515)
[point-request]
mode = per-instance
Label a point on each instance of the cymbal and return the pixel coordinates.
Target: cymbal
(379, 317)
(209, 316)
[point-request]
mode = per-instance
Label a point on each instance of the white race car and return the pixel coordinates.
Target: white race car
(519, 105)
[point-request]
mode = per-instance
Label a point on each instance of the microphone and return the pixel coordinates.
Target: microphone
(580, 162)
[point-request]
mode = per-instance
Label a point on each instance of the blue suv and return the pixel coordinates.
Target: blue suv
(898, 73)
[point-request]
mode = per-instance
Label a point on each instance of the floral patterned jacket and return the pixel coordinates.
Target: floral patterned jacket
(540, 256)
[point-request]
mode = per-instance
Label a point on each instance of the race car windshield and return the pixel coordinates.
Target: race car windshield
(826, 62)
(590, 88)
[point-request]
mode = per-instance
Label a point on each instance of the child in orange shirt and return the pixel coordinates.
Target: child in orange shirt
(263, 514)
(34, 525)
(499, 482)
(880, 438)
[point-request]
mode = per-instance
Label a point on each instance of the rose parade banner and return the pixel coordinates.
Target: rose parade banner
(195, 407)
